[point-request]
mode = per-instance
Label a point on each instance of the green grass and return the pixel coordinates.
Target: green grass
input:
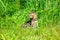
(41, 33)
(14, 13)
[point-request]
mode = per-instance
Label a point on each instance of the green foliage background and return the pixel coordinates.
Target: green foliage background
(13, 13)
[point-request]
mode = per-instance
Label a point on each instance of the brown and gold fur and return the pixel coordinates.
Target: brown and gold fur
(33, 20)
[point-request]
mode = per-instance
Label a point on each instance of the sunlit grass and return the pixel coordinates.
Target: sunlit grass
(41, 33)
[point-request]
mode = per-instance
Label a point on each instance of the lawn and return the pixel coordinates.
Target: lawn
(14, 13)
